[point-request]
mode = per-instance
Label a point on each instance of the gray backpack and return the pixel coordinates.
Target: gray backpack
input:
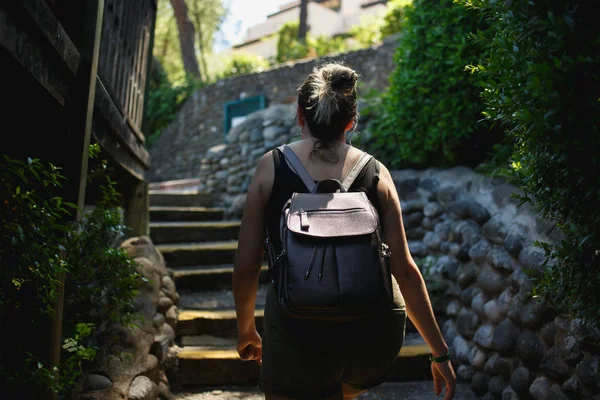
(333, 264)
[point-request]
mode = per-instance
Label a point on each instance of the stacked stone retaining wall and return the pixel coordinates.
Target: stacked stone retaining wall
(474, 245)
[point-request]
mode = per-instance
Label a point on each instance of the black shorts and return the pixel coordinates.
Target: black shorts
(310, 359)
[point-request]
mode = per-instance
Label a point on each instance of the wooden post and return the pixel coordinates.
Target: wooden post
(137, 209)
(81, 130)
(144, 124)
(303, 25)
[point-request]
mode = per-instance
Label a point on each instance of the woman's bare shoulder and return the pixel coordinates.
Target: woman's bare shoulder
(264, 175)
(264, 167)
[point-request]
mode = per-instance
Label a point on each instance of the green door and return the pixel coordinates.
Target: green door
(236, 111)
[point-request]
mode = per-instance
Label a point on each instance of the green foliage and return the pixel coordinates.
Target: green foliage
(542, 82)
(243, 63)
(394, 18)
(323, 46)
(32, 237)
(78, 353)
(430, 115)
(32, 245)
(102, 280)
(368, 32)
(498, 161)
(207, 16)
(167, 49)
(288, 46)
(38, 245)
(373, 28)
(164, 100)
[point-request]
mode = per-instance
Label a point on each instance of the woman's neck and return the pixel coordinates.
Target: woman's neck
(306, 135)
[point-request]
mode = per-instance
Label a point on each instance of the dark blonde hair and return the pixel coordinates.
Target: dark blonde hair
(328, 99)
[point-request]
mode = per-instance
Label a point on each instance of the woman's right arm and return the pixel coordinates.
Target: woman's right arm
(411, 282)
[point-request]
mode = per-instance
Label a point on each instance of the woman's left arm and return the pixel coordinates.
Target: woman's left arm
(250, 250)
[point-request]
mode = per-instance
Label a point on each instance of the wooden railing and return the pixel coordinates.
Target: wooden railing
(124, 51)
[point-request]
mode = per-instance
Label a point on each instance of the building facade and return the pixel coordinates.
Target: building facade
(325, 18)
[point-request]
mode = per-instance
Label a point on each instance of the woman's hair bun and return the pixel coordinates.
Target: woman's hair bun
(343, 79)
(328, 100)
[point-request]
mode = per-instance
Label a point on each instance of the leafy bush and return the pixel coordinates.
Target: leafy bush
(289, 48)
(373, 28)
(32, 241)
(38, 244)
(394, 18)
(164, 100)
(243, 63)
(102, 280)
(32, 235)
(430, 115)
(323, 46)
(542, 82)
(368, 32)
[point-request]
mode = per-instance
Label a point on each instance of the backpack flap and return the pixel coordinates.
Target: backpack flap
(321, 215)
(330, 186)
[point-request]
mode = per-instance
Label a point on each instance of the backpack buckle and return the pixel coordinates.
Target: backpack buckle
(304, 224)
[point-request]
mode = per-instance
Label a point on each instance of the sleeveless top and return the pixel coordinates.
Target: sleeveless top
(286, 182)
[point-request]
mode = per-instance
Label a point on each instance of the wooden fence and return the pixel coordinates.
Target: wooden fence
(126, 38)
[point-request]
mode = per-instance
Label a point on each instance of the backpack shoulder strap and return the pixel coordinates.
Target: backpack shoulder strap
(296, 164)
(358, 166)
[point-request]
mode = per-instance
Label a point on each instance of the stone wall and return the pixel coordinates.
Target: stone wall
(199, 124)
(226, 169)
(139, 361)
(474, 244)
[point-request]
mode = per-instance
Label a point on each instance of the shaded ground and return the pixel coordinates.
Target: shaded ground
(386, 391)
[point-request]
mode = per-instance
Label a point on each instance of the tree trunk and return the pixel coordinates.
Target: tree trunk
(303, 28)
(186, 38)
(198, 21)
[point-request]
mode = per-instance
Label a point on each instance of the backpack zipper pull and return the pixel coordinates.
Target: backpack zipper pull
(304, 225)
(322, 264)
(312, 260)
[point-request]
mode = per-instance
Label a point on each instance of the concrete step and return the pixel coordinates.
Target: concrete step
(180, 198)
(419, 390)
(193, 324)
(222, 322)
(212, 312)
(181, 232)
(177, 184)
(189, 254)
(211, 277)
(161, 213)
(218, 299)
(218, 363)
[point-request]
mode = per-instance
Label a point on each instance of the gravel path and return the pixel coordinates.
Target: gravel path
(386, 391)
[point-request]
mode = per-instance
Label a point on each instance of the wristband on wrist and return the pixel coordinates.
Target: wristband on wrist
(440, 359)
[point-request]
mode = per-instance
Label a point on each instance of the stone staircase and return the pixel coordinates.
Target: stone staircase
(199, 246)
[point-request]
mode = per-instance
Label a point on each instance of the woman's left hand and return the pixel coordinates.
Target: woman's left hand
(249, 346)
